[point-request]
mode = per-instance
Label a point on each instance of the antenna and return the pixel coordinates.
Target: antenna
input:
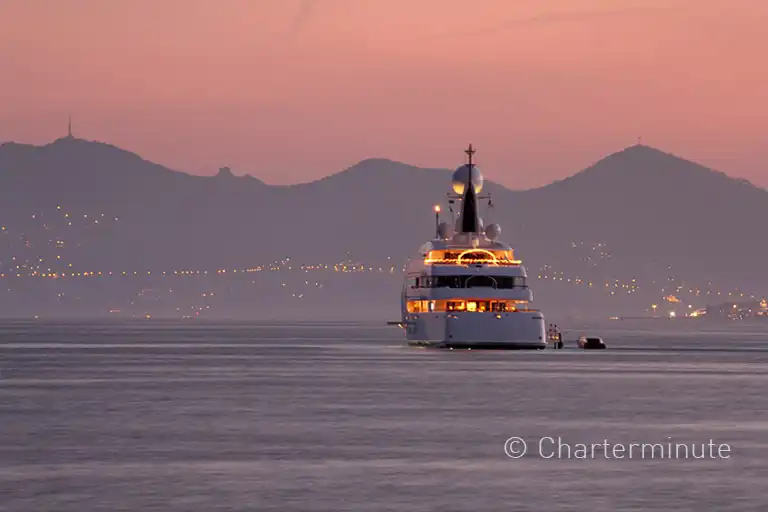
(69, 127)
(470, 153)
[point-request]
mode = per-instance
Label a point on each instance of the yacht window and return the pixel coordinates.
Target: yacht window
(472, 305)
(420, 306)
(472, 281)
(480, 282)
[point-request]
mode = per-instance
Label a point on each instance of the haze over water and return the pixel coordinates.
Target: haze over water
(224, 416)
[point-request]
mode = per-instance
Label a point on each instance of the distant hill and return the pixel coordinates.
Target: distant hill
(637, 214)
(654, 209)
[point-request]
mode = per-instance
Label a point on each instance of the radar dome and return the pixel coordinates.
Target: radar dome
(493, 231)
(460, 176)
(444, 230)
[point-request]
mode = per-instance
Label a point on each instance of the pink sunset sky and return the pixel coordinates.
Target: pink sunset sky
(290, 90)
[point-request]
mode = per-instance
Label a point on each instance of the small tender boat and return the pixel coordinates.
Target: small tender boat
(591, 343)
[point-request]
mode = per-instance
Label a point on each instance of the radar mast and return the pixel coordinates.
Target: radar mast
(470, 217)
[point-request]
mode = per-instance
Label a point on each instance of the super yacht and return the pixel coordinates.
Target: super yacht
(465, 288)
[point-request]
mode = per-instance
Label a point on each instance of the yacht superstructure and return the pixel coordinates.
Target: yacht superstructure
(465, 289)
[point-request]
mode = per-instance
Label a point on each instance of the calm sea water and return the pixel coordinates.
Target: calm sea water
(201, 417)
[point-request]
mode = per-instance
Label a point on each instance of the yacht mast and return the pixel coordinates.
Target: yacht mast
(470, 217)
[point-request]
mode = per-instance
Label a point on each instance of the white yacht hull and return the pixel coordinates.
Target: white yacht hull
(514, 330)
(466, 289)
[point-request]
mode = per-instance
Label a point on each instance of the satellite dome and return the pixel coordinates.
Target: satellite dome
(493, 231)
(444, 230)
(460, 176)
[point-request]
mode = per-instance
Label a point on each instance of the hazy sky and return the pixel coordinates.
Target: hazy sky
(292, 90)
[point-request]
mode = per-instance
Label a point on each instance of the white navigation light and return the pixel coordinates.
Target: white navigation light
(460, 176)
(493, 231)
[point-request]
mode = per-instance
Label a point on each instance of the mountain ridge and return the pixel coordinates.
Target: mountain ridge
(643, 213)
(366, 165)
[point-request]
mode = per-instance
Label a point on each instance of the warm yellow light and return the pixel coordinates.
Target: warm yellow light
(437, 208)
(494, 259)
